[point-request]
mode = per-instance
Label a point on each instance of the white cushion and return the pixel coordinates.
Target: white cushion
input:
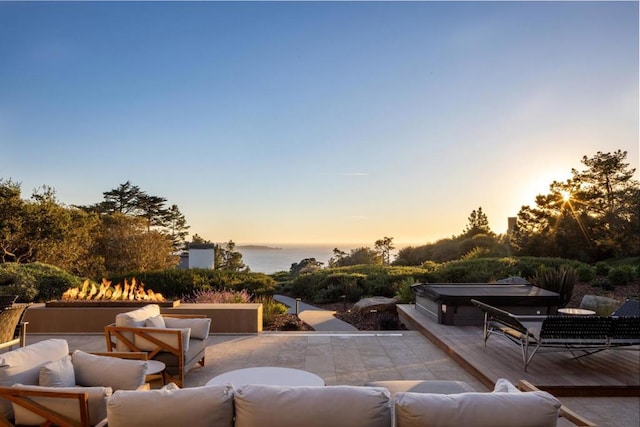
(135, 319)
(155, 322)
(119, 374)
(335, 406)
(58, 373)
(199, 326)
(169, 339)
(22, 366)
(68, 407)
(193, 407)
(531, 409)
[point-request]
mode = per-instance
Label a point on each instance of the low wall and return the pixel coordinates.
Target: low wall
(225, 318)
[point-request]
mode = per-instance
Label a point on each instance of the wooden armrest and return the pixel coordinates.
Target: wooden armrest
(565, 412)
(24, 398)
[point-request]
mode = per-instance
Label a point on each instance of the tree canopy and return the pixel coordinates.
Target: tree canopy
(112, 237)
(593, 215)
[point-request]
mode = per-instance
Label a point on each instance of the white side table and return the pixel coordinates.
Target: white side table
(155, 371)
(576, 311)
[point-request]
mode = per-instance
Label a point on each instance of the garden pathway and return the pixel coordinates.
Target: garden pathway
(317, 318)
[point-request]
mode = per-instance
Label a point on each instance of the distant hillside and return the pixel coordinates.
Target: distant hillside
(258, 247)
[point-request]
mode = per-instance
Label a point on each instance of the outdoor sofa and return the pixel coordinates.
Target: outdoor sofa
(580, 335)
(337, 406)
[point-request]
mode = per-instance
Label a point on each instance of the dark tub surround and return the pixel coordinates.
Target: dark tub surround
(450, 303)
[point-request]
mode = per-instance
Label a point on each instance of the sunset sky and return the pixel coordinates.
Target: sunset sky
(316, 122)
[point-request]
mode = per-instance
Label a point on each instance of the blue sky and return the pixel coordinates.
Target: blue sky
(316, 122)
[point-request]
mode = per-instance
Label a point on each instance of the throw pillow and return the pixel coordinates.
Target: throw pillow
(69, 407)
(505, 386)
(155, 322)
(119, 374)
(58, 374)
(193, 407)
(135, 319)
(199, 326)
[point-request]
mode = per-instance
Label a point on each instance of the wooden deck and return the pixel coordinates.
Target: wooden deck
(608, 373)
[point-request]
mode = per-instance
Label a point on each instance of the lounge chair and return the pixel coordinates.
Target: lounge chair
(580, 335)
(630, 308)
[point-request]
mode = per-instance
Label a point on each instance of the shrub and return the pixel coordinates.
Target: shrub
(602, 268)
(560, 280)
(404, 293)
(586, 273)
(270, 309)
(621, 276)
(220, 297)
(176, 283)
(35, 282)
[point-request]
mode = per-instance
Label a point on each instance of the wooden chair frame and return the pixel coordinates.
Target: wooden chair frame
(24, 398)
(114, 333)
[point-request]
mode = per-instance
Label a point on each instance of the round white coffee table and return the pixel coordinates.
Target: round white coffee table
(155, 370)
(576, 311)
(268, 375)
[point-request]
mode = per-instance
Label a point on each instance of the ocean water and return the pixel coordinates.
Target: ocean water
(273, 260)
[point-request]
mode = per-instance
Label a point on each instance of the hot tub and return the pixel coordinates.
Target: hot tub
(450, 303)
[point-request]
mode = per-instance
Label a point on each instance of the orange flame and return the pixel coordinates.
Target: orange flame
(133, 292)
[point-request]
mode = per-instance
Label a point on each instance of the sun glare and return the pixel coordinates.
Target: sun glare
(566, 196)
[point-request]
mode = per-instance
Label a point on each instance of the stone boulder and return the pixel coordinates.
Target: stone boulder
(381, 304)
(603, 306)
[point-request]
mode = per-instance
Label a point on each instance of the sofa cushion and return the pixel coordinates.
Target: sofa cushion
(335, 406)
(199, 326)
(195, 353)
(169, 339)
(22, 366)
(193, 407)
(58, 373)
(135, 319)
(531, 409)
(68, 407)
(119, 374)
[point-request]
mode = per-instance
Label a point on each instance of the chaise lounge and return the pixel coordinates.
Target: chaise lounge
(580, 335)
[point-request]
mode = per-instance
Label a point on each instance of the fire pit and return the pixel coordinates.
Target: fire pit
(130, 295)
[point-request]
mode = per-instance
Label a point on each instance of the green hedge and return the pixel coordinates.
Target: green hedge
(35, 282)
(484, 270)
(355, 282)
(178, 283)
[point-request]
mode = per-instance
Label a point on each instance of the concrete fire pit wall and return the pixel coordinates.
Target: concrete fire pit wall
(225, 318)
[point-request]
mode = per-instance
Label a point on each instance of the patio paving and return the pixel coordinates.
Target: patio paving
(339, 358)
